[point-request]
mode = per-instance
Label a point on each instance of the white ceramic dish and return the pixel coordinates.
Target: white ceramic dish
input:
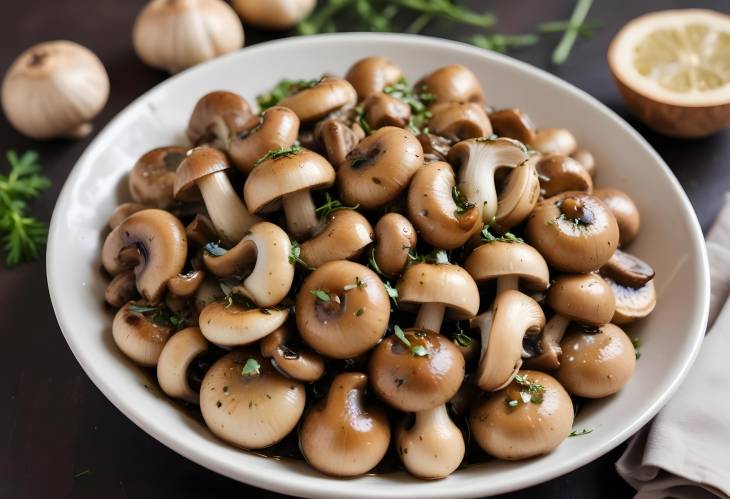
(671, 240)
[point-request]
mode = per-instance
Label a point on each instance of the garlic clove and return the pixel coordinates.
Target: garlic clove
(273, 14)
(177, 34)
(54, 89)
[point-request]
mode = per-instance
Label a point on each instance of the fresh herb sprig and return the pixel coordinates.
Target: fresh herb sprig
(507, 237)
(418, 100)
(23, 236)
(331, 205)
(576, 433)
(573, 28)
(284, 88)
(159, 315)
(503, 43)
(279, 153)
(251, 367)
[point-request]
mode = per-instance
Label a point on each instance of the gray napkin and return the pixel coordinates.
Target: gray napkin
(685, 451)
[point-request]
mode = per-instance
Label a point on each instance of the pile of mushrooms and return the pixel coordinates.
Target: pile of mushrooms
(371, 268)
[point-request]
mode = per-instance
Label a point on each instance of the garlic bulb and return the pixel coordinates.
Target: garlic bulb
(273, 14)
(54, 89)
(177, 34)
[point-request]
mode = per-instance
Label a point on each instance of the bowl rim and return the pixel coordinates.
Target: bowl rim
(309, 489)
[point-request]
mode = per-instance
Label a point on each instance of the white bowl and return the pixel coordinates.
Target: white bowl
(670, 239)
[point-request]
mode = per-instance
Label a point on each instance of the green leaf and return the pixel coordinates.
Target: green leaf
(321, 295)
(372, 263)
(462, 203)
(359, 312)
(576, 433)
(462, 339)
(401, 335)
(331, 205)
(281, 90)
(419, 351)
(295, 256)
(279, 153)
(392, 292)
(251, 368)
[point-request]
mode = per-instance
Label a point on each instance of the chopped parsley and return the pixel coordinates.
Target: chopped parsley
(321, 295)
(418, 100)
(401, 335)
(530, 391)
(360, 110)
(279, 153)
(462, 339)
(283, 89)
(392, 292)
(462, 203)
(159, 315)
(576, 433)
(359, 312)
(251, 368)
(295, 256)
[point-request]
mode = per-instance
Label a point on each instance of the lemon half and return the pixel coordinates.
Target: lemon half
(673, 69)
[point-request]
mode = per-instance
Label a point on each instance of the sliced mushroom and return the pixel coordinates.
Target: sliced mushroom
(508, 263)
(205, 167)
(373, 74)
(627, 270)
(176, 359)
(558, 173)
(380, 167)
(342, 436)
(337, 138)
(550, 352)
(518, 197)
(153, 176)
(385, 110)
(452, 83)
(122, 211)
(290, 177)
(598, 363)
(327, 96)
(585, 158)
(395, 236)
(421, 373)
(443, 219)
(276, 128)
(574, 231)
(138, 336)
(513, 124)
(435, 148)
(503, 328)
(230, 324)
(200, 231)
(459, 121)
(121, 289)
(290, 357)
(477, 161)
(632, 303)
(514, 423)
(554, 141)
(345, 235)
(186, 285)
(245, 402)
(217, 116)
(585, 298)
(342, 309)
(625, 211)
(158, 238)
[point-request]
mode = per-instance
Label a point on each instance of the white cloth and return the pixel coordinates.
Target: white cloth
(685, 451)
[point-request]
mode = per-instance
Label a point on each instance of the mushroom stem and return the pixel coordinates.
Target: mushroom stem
(300, 215)
(430, 316)
(228, 213)
(508, 282)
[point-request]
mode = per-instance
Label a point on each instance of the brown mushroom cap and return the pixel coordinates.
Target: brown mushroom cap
(411, 382)
(252, 411)
(122, 211)
(514, 124)
(518, 197)
(152, 177)
(380, 167)
(121, 289)
(138, 337)
(445, 284)
(554, 141)
(355, 317)
(327, 96)
(625, 211)
(452, 83)
(500, 259)
(175, 359)
(290, 357)
(435, 148)
(585, 158)
(596, 364)
(336, 138)
(345, 236)
(632, 303)
(529, 429)
(574, 231)
(372, 74)
(216, 117)
(585, 298)
(231, 324)
(627, 270)
(185, 285)
(432, 208)
(276, 128)
(341, 436)
(459, 121)
(550, 352)
(395, 236)
(200, 231)
(385, 110)
(558, 173)
(160, 238)
(199, 162)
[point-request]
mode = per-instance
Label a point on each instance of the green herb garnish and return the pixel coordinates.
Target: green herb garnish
(251, 368)
(571, 32)
(331, 205)
(360, 110)
(530, 391)
(281, 90)
(462, 203)
(437, 256)
(279, 153)
(637, 347)
(321, 295)
(295, 256)
(401, 335)
(418, 100)
(392, 292)
(359, 312)
(419, 351)
(503, 43)
(512, 403)
(214, 249)
(576, 433)
(507, 237)
(462, 339)
(372, 263)
(159, 315)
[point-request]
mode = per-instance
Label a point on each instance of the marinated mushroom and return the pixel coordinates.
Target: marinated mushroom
(477, 161)
(290, 176)
(574, 232)
(458, 121)
(187, 284)
(121, 289)
(200, 231)
(153, 176)
(518, 197)
(290, 357)
(216, 118)
(345, 235)
(342, 435)
(554, 141)
(513, 124)
(585, 158)
(625, 211)
(631, 281)
(176, 360)
(205, 167)
(337, 138)
(585, 298)
(452, 83)
(122, 211)
(508, 263)
(442, 215)
(247, 403)
(558, 174)
(137, 335)
(395, 236)
(380, 167)
(528, 418)
(234, 322)
(596, 363)
(550, 353)
(326, 96)
(372, 74)
(342, 309)
(385, 110)
(276, 128)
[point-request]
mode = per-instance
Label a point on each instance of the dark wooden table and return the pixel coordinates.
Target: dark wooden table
(59, 436)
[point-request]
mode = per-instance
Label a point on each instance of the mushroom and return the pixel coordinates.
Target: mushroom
(554, 141)
(373, 74)
(631, 281)
(216, 118)
(186, 285)
(452, 83)
(459, 121)
(508, 263)
(598, 363)
(291, 358)
(442, 215)
(121, 289)
(436, 286)
(205, 167)
(625, 211)
(528, 418)
(395, 236)
(380, 167)
(200, 231)
(208, 292)
(337, 138)
(326, 96)
(503, 328)
(627, 270)
(342, 309)
(153, 176)
(158, 239)
(518, 197)
(435, 148)
(247, 403)
(344, 237)
(175, 361)
(341, 435)
(290, 177)
(574, 231)
(274, 14)
(385, 110)
(433, 447)
(276, 128)
(477, 161)
(138, 336)
(585, 298)
(550, 354)
(228, 323)
(585, 158)
(416, 370)
(267, 248)
(558, 173)
(513, 124)
(122, 211)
